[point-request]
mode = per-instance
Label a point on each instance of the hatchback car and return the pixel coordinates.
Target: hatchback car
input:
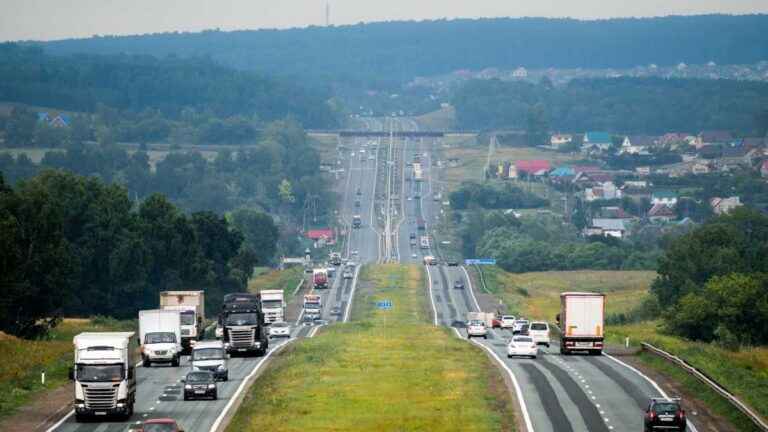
(347, 274)
(476, 328)
(665, 414)
(200, 384)
(453, 263)
(279, 329)
(459, 284)
(507, 321)
(518, 327)
(160, 425)
(539, 331)
(522, 346)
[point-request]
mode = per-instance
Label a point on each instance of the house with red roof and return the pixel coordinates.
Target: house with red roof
(317, 234)
(532, 167)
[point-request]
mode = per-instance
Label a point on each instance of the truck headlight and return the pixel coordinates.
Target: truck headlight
(120, 405)
(211, 386)
(221, 367)
(188, 387)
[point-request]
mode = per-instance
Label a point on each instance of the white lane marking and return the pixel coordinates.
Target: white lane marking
(471, 291)
(431, 297)
(351, 294)
(652, 382)
(243, 384)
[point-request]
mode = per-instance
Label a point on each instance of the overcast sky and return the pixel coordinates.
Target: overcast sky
(51, 19)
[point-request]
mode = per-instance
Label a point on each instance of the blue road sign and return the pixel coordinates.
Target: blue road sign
(385, 304)
(480, 261)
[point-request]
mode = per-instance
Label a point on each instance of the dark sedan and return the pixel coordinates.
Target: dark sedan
(200, 385)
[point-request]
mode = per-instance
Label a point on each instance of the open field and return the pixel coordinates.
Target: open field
(442, 119)
(537, 295)
(22, 361)
(285, 280)
(325, 144)
(385, 370)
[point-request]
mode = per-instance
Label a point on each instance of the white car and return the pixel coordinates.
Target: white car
(519, 325)
(507, 321)
(522, 346)
(279, 329)
(476, 328)
(347, 274)
(539, 331)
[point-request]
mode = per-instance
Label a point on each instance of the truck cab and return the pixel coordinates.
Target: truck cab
(210, 356)
(104, 375)
(357, 222)
(272, 305)
(242, 322)
(312, 306)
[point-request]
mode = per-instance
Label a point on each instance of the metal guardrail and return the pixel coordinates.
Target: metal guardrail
(711, 383)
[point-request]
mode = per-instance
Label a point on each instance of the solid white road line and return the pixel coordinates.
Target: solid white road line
(431, 297)
(471, 291)
(351, 295)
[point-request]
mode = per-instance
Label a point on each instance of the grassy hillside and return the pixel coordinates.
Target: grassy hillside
(285, 280)
(386, 370)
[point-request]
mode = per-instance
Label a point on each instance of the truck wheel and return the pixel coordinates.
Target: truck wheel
(79, 418)
(215, 396)
(485, 337)
(547, 345)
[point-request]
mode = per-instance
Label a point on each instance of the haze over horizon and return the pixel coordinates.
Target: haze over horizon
(44, 20)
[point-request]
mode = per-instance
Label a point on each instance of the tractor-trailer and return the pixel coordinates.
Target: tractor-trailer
(104, 374)
(191, 305)
(582, 322)
(160, 336)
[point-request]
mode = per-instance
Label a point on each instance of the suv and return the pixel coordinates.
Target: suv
(664, 414)
(539, 331)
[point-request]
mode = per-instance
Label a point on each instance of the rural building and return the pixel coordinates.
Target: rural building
(668, 198)
(596, 142)
(558, 140)
(661, 213)
(609, 227)
(721, 206)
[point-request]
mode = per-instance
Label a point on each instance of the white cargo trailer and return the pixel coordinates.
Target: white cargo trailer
(582, 322)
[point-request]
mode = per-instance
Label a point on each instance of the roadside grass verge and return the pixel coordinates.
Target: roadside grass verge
(536, 295)
(385, 370)
(22, 361)
(285, 280)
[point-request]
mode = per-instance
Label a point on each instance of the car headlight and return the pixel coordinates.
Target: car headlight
(188, 387)
(221, 367)
(211, 386)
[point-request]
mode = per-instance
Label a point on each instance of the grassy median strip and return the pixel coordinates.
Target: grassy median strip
(386, 370)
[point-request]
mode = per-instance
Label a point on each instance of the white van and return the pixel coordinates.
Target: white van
(539, 331)
(210, 356)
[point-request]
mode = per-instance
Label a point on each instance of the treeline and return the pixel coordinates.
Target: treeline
(621, 105)
(380, 54)
(713, 282)
(471, 194)
(173, 87)
(276, 174)
(72, 245)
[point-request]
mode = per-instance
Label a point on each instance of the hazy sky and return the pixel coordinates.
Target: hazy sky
(58, 19)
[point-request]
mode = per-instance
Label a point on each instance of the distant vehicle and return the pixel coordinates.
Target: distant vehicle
(539, 331)
(312, 306)
(104, 374)
(412, 235)
(160, 425)
(518, 326)
(331, 271)
(424, 242)
(280, 329)
(496, 322)
(347, 274)
(476, 328)
(414, 255)
(420, 224)
(352, 154)
(459, 284)
(160, 336)
(665, 414)
(191, 304)
(486, 317)
(354, 253)
(357, 221)
(437, 197)
(453, 263)
(359, 191)
(524, 330)
(507, 321)
(210, 356)
(272, 305)
(357, 203)
(371, 157)
(582, 319)
(336, 311)
(200, 385)
(429, 260)
(320, 278)
(362, 150)
(335, 258)
(522, 346)
(351, 264)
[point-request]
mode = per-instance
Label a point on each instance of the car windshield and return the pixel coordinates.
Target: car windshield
(521, 322)
(271, 304)
(476, 323)
(248, 318)
(665, 408)
(522, 339)
(538, 326)
(159, 427)
(100, 373)
(279, 324)
(164, 337)
(208, 354)
(508, 317)
(199, 377)
(187, 318)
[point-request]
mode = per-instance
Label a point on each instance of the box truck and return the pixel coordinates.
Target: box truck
(104, 374)
(320, 278)
(272, 305)
(312, 306)
(191, 305)
(581, 321)
(160, 336)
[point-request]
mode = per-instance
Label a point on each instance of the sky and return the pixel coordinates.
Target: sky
(50, 19)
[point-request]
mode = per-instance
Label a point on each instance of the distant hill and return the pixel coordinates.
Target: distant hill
(136, 83)
(394, 52)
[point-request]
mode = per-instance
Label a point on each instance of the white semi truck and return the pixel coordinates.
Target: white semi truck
(104, 374)
(312, 306)
(160, 336)
(581, 320)
(272, 305)
(191, 305)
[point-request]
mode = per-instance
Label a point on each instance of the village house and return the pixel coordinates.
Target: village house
(596, 142)
(614, 212)
(643, 170)
(638, 144)
(713, 137)
(607, 227)
(668, 198)
(604, 191)
(661, 212)
(58, 120)
(532, 167)
(721, 206)
(558, 140)
(700, 168)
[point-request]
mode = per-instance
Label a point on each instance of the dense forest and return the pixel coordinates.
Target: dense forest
(621, 105)
(174, 87)
(76, 246)
(380, 54)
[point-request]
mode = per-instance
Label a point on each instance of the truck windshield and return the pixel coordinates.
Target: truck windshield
(311, 306)
(100, 373)
(207, 354)
(160, 337)
(271, 304)
(188, 318)
(249, 318)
